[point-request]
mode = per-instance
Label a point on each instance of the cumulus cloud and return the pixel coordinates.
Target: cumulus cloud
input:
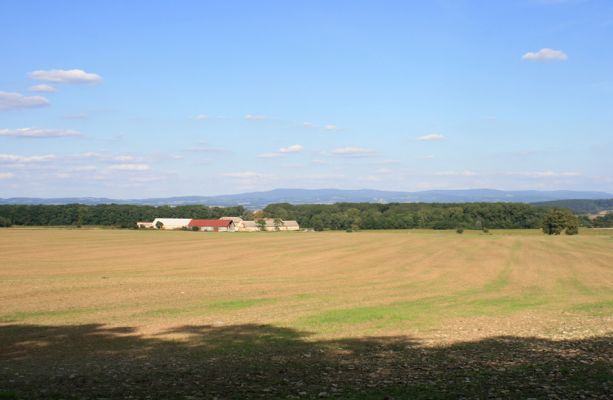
(129, 167)
(252, 117)
(6, 175)
(26, 159)
(431, 137)
(65, 76)
(545, 54)
(43, 87)
(15, 101)
(242, 175)
(38, 133)
(353, 151)
(295, 148)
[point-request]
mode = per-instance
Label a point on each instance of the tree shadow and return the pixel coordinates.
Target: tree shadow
(263, 361)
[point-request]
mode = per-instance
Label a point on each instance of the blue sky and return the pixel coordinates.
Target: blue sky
(157, 98)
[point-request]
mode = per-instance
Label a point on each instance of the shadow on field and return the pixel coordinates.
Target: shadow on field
(263, 361)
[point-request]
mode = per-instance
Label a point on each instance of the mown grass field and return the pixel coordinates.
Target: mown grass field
(361, 308)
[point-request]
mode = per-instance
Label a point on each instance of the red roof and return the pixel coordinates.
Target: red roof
(216, 223)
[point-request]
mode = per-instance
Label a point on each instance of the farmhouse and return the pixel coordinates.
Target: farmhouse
(212, 225)
(171, 223)
(145, 225)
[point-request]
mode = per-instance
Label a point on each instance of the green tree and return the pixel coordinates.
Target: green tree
(261, 224)
(5, 222)
(278, 222)
(159, 225)
(556, 221)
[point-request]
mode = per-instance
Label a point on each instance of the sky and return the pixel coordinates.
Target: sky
(156, 98)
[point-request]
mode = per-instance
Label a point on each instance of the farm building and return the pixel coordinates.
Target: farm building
(171, 223)
(212, 225)
(248, 226)
(281, 225)
(144, 225)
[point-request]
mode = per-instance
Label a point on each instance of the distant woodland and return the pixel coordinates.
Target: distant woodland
(340, 216)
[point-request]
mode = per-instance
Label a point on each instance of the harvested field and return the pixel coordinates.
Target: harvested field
(92, 313)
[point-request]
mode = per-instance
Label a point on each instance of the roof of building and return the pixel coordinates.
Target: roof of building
(290, 223)
(215, 223)
(235, 219)
(249, 224)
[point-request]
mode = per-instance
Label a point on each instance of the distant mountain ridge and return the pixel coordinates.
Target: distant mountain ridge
(256, 200)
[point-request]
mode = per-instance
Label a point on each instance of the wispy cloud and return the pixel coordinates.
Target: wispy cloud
(353, 151)
(545, 54)
(431, 137)
(16, 101)
(26, 159)
(130, 167)
(6, 175)
(456, 173)
(545, 174)
(295, 148)
(38, 133)
(201, 117)
(65, 76)
(43, 87)
(326, 127)
(243, 175)
(253, 117)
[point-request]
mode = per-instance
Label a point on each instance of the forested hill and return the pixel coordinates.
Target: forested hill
(580, 206)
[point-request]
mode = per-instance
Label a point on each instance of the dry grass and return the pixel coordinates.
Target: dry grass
(115, 314)
(334, 284)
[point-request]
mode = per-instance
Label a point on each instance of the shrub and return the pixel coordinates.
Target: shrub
(459, 230)
(195, 228)
(485, 230)
(5, 222)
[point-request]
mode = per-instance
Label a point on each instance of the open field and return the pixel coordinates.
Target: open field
(92, 313)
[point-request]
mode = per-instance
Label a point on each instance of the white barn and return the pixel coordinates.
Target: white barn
(172, 223)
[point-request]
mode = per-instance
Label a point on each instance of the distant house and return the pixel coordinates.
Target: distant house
(145, 225)
(248, 226)
(171, 223)
(281, 225)
(212, 225)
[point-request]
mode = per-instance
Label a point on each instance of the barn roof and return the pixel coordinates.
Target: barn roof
(215, 223)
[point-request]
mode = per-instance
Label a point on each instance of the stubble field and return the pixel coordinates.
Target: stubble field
(92, 313)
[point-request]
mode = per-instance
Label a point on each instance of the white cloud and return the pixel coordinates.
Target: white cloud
(14, 101)
(353, 151)
(456, 173)
(431, 137)
(26, 159)
(295, 148)
(6, 175)
(201, 117)
(242, 175)
(43, 87)
(546, 174)
(428, 157)
(326, 127)
(545, 54)
(130, 167)
(38, 133)
(269, 155)
(251, 117)
(65, 76)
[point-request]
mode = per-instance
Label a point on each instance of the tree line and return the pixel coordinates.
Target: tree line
(348, 216)
(117, 215)
(340, 216)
